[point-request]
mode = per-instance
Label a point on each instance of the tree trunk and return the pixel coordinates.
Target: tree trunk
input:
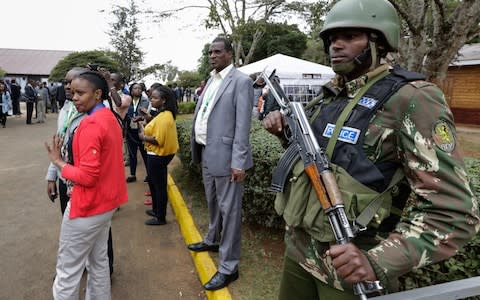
(257, 36)
(451, 36)
(434, 35)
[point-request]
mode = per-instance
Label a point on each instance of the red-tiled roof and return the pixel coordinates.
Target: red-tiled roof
(30, 62)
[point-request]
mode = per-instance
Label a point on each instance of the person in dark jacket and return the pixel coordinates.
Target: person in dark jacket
(16, 93)
(31, 95)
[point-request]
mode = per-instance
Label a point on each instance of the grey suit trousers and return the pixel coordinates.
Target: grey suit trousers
(224, 200)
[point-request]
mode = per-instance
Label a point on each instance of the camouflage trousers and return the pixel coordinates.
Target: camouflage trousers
(297, 283)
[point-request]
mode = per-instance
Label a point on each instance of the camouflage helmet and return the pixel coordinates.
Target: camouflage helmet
(378, 15)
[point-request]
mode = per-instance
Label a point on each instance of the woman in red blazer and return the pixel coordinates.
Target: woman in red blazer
(96, 173)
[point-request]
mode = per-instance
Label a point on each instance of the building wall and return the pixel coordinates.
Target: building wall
(462, 91)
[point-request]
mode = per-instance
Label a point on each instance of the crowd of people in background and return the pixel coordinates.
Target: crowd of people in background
(40, 99)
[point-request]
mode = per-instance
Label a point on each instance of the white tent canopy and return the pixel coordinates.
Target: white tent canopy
(291, 70)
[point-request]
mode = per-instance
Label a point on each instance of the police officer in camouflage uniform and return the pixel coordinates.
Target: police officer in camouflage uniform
(390, 135)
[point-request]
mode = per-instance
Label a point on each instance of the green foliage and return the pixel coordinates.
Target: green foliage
(203, 63)
(315, 52)
(189, 78)
(163, 72)
(464, 265)
(184, 132)
(473, 167)
(258, 202)
(104, 59)
(278, 38)
(2, 72)
(186, 107)
(125, 37)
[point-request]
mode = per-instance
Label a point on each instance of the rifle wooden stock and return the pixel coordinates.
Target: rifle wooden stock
(314, 176)
(330, 183)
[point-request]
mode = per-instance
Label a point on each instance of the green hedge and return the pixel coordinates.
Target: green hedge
(186, 107)
(258, 205)
(257, 201)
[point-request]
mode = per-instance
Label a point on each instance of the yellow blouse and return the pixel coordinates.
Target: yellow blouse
(164, 129)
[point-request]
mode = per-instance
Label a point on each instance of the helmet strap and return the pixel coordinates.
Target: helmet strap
(370, 52)
(344, 68)
(373, 51)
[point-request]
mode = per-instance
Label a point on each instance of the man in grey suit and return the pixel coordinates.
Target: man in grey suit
(220, 141)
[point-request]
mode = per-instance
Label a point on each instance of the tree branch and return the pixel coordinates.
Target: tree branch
(169, 12)
(257, 36)
(405, 16)
(441, 8)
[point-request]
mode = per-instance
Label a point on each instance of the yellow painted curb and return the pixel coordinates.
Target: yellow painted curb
(202, 260)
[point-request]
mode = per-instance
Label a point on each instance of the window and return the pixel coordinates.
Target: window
(301, 93)
(312, 76)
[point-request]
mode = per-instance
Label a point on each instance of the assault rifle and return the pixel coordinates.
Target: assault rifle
(304, 146)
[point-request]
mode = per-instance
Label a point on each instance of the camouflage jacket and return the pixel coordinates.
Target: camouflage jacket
(415, 129)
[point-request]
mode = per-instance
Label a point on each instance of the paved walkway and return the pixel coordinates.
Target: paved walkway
(150, 262)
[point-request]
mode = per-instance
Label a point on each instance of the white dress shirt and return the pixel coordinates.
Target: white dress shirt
(208, 102)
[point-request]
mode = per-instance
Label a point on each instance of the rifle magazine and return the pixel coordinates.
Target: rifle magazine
(282, 170)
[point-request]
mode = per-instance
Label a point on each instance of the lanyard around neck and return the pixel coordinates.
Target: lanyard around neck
(71, 115)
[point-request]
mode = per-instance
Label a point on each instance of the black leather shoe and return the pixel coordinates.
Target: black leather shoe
(201, 246)
(131, 178)
(150, 212)
(155, 221)
(220, 280)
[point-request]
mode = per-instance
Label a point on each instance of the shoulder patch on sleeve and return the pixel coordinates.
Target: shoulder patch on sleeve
(443, 136)
(420, 83)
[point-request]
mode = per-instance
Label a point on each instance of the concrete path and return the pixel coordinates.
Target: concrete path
(150, 262)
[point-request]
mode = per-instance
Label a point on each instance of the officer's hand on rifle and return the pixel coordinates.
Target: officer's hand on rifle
(274, 122)
(351, 264)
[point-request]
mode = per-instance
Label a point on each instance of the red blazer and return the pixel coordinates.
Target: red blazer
(98, 172)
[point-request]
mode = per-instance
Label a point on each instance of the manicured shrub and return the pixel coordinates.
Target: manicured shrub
(186, 107)
(258, 202)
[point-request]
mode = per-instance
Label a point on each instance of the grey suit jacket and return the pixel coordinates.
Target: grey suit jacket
(228, 127)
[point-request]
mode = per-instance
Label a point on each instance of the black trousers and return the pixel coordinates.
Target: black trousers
(157, 182)
(16, 106)
(62, 193)
(3, 116)
(53, 105)
(29, 112)
(134, 144)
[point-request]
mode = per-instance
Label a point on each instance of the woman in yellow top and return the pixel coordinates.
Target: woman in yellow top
(161, 143)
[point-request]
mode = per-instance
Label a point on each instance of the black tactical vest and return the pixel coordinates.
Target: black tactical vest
(348, 152)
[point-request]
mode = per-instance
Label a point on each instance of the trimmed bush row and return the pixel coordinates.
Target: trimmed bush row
(186, 107)
(258, 202)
